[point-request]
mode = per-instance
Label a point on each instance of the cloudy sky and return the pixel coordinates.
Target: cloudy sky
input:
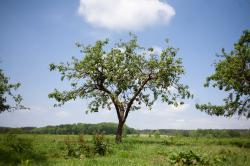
(35, 33)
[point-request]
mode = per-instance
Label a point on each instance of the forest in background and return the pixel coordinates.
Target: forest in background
(110, 129)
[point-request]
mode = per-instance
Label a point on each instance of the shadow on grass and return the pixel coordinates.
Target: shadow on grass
(142, 141)
(182, 142)
(12, 158)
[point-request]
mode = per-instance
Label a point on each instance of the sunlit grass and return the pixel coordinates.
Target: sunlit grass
(136, 150)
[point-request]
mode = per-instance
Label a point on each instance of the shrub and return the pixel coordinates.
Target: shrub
(81, 139)
(84, 149)
(167, 142)
(71, 150)
(222, 156)
(137, 135)
(188, 158)
(240, 144)
(15, 150)
(18, 145)
(237, 143)
(99, 144)
(157, 134)
(78, 149)
(247, 145)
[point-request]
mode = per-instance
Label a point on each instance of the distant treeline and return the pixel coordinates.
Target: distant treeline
(110, 128)
(79, 128)
(201, 132)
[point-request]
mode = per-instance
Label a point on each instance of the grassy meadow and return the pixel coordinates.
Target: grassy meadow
(141, 150)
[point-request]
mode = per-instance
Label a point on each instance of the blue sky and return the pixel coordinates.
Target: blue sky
(35, 33)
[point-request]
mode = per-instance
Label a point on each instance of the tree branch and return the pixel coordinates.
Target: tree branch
(115, 101)
(135, 95)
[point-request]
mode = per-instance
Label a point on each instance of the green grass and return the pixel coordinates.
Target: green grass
(141, 151)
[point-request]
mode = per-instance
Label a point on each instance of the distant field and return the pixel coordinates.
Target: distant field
(141, 150)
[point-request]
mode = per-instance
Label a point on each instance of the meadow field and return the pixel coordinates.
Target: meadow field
(135, 150)
(75, 74)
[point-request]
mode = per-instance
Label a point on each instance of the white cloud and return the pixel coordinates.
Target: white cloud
(157, 50)
(62, 114)
(180, 120)
(179, 108)
(164, 110)
(125, 14)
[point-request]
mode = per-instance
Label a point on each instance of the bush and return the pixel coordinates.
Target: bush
(247, 145)
(15, 150)
(77, 149)
(157, 134)
(237, 143)
(80, 149)
(188, 158)
(85, 149)
(167, 142)
(71, 147)
(81, 139)
(99, 144)
(18, 145)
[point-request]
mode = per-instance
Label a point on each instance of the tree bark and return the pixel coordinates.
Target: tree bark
(118, 138)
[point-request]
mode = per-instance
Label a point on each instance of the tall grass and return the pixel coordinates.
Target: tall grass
(135, 150)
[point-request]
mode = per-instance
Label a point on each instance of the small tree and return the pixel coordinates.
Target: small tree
(6, 92)
(126, 76)
(232, 74)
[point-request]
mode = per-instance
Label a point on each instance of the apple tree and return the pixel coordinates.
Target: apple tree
(125, 76)
(232, 75)
(7, 93)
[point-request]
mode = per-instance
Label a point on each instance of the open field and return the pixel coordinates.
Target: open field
(31, 149)
(125, 83)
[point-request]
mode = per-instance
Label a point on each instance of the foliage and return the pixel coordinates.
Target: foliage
(133, 151)
(187, 158)
(232, 74)
(126, 76)
(16, 150)
(6, 92)
(121, 73)
(101, 146)
(81, 149)
(214, 133)
(166, 142)
(72, 151)
(110, 129)
(157, 134)
(107, 128)
(18, 145)
(78, 149)
(169, 141)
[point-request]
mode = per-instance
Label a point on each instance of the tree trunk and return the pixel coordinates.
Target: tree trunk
(118, 138)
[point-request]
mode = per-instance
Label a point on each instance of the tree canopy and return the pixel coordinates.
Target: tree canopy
(232, 75)
(125, 76)
(6, 93)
